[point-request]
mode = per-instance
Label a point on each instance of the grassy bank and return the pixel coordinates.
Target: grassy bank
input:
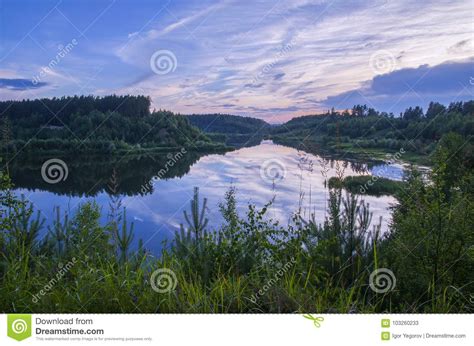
(367, 184)
(349, 150)
(251, 263)
(83, 266)
(112, 148)
(382, 154)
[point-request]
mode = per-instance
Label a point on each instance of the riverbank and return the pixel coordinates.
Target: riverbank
(114, 150)
(368, 185)
(349, 150)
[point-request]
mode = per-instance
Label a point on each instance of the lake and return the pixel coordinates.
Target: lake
(156, 189)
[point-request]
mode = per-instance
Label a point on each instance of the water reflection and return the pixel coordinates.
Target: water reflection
(89, 175)
(159, 212)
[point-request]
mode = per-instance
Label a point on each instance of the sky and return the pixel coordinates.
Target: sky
(263, 58)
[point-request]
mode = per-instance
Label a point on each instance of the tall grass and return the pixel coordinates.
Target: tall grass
(250, 264)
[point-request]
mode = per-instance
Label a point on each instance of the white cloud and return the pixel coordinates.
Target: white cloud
(236, 44)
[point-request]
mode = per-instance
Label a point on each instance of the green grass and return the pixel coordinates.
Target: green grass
(128, 150)
(346, 150)
(367, 184)
(251, 264)
(381, 154)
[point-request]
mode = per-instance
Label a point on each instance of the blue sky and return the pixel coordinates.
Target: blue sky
(268, 59)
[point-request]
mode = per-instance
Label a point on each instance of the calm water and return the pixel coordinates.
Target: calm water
(259, 174)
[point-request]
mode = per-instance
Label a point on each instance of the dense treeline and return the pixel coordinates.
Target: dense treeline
(235, 131)
(229, 124)
(93, 123)
(113, 122)
(363, 127)
(66, 107)
(251, 263)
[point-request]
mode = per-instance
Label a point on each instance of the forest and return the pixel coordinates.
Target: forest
(94, 124)
(114, 123)
(233, 130)
(364, 130)
(228, 124)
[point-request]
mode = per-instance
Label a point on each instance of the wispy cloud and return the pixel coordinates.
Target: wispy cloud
(265, 58)
(20, 84)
